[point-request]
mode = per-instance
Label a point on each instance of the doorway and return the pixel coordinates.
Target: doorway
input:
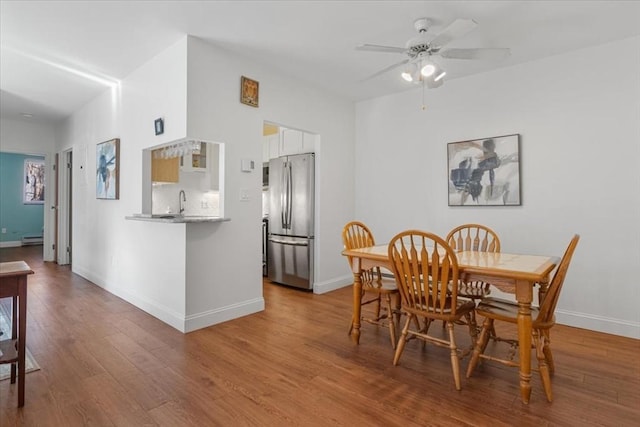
(289, 204)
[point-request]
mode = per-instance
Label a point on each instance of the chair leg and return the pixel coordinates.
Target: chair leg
(480, 346)
(542, 364)
(378, 306)
(473, 333)
(492, 333)
(402, 340)
(391, 320)
(473, 326)
(546, 348)
(398, 310)
(455, 360)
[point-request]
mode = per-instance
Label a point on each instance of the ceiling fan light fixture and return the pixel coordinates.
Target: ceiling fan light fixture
(406, 75)
(428, 69)
(440, 76)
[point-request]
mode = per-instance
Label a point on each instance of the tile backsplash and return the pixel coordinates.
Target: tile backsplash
(165, 200)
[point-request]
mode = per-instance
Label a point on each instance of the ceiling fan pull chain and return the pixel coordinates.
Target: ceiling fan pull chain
(423, 106)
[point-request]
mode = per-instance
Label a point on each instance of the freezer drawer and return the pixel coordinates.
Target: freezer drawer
(290, 261)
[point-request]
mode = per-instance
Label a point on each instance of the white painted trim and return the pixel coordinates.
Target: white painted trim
(12, 244)
(161, 312)
(332, 285)
(223, 314)
(177, 320)
(603, 324)
(64, 182)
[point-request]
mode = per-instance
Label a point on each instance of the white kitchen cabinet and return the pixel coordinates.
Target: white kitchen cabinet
(294, 141)
(308, 143)
(290, 142)
(287, 142)
(270, 147)
(196, 161)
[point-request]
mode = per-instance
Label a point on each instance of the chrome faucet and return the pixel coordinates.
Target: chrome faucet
(182, 197)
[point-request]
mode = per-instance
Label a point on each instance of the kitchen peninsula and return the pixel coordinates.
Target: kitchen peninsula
(176, 219)
(177, 236)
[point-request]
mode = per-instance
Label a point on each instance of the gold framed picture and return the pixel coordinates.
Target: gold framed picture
(249, 91)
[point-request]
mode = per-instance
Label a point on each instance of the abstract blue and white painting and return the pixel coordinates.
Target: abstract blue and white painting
(485, 172)
(107, 169)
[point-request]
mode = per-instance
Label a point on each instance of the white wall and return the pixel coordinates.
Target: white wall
(24, 137)
(122, 256)
(579, 119)
(119, 255)
(216, 114)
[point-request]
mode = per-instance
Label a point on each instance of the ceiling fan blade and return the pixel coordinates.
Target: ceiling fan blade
(389, 68)
(457, 28)
(379, 48)
(478, 53)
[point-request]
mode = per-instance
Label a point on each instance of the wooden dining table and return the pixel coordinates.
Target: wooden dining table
(13, 283)
(513, 273)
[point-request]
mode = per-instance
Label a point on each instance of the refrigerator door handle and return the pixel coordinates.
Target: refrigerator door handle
(283, 197)
(289, 242)
(289, 195)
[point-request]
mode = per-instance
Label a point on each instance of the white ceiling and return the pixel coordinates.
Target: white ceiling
(45, 43)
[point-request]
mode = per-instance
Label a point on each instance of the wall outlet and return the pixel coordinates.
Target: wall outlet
(244, 195)
(4, 231)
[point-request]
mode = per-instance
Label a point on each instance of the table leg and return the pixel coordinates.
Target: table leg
(14, 332)
(524, 295)
(22, 338)
(357, 291)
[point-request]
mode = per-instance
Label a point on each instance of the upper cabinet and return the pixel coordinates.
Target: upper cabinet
(287, 142)
(164, 170)
(294, 141)
(196, 161)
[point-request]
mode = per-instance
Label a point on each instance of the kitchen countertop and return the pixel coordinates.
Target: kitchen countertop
(175, 218)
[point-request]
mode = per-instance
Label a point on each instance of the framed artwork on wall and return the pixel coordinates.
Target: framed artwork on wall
(249, 91)
(33, 193)
(484, 172)
(108, 170)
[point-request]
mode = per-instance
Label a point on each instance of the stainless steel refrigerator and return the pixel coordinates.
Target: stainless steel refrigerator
(291, 225)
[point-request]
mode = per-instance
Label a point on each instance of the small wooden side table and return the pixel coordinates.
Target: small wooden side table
(13, 283)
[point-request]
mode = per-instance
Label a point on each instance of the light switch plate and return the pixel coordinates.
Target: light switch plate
(246, 165)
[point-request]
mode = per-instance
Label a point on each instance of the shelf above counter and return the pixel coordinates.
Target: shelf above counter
(176, 218)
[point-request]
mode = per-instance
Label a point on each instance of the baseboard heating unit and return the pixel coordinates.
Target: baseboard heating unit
(31, 240)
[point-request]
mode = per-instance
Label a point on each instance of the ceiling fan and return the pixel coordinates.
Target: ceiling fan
(420, 66)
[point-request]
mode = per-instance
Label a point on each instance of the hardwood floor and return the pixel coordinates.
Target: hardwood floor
(105, 362)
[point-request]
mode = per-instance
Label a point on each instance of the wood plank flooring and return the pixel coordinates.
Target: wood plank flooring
(104, 362)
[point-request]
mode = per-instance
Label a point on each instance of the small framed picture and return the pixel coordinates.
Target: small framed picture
(159, 124)
(249, 91)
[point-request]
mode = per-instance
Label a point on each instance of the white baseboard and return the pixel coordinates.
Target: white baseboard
(223, 314)
(603, 324)
(178, 320)
(332, 285)
(13, 244)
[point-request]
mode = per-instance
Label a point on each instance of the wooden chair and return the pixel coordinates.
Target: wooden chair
(473, 237)
(543, 320)
(375, 287)
(426, 272)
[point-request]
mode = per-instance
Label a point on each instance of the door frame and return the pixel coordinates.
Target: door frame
(65, 178)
